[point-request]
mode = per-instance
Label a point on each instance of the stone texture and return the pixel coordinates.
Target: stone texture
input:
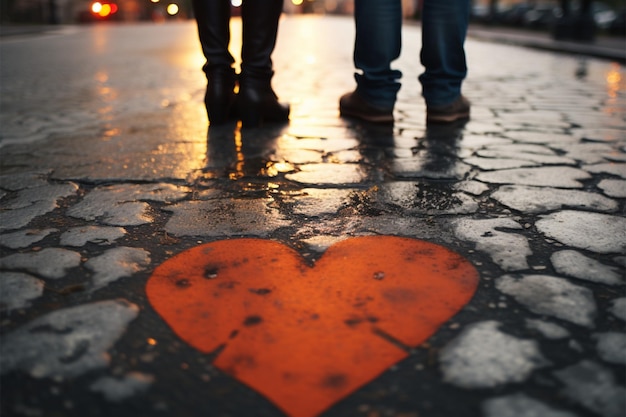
(80, 236)
(119, 389)
(547, 329)
(116, 263)
(24, 238)
(596, 232)
(68, 342)
(618, 308)
(542, 199)
(552, 296)
(508, 250)
(51, 263)
(593, 386)
(224, 218)
(520, 405)
(574, 264)
(613, 188)
(124, 205)
(611, 347)
(483, 356)
(17, 290)
(561, 177)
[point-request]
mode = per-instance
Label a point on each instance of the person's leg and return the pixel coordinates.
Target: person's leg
(257, 100)
(377, 43)
(213, 18)
(444, 27)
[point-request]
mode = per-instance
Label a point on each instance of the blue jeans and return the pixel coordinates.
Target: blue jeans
(378, 42)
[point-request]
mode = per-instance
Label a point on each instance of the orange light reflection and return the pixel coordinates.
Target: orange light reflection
(614, 81)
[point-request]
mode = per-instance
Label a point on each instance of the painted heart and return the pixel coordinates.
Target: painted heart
(306, 336)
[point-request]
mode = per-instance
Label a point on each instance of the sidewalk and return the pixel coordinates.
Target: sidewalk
(152, 267)
(612, 48)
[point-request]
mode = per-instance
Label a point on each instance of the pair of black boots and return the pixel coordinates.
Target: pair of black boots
(255, 101)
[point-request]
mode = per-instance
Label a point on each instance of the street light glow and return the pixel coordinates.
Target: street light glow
(172, 9)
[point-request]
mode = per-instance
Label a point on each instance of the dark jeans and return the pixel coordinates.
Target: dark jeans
(378, 43)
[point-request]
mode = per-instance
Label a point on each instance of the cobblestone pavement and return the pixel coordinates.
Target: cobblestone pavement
(108, 171)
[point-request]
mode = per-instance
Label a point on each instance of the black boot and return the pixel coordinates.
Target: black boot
(213, 19)
(257, 102)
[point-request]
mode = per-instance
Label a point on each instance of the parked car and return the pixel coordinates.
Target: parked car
(618, 25)
(541, 16)
(514, 15)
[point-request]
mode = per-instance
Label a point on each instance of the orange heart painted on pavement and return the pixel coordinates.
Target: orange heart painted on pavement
(306, 336)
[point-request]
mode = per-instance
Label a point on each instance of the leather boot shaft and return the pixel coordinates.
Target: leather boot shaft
(213, 20)
(220, 97)
(257, 102)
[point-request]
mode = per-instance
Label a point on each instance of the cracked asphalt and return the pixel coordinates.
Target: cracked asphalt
(108, 170)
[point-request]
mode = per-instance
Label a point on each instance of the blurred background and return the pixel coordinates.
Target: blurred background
(581, 19)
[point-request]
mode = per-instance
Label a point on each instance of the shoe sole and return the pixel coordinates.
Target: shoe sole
(367, 118)
(447, 118)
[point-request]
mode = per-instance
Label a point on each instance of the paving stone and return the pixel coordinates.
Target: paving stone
(472, 187)
(532, 117)
(328, 174)
(593, 386)
(543, 199)
(67, 343)
(17, 290)
(611, 347)
(508, 250)
(520, 405)
(24, 238)
(494, 164)
(618, 170)
(31, 203)
(310, 142)
(430, 166)
(21, 217)
(618, 308)
(315, 202)
(482, 356)
(547, 329)
(124, 205)
(560, 177)
(80, 236)
(588, 153)
(527, 136)
(224, 218)
(575, 264)
(426, 198)
(119, 389)
(602, 134)
(596, 232)
(475, 142)
(116, 263)
(536, 154)
(613, 188)
(51, 263)
(551, 296)
(50, 193)
(20, 181)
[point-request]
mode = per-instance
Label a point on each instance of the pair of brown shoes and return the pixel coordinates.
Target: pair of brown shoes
(353, 105)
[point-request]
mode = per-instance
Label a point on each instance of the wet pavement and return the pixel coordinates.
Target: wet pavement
(108, 172)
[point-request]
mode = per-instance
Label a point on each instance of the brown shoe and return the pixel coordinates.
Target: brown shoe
(352, 104)
(457, 110)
